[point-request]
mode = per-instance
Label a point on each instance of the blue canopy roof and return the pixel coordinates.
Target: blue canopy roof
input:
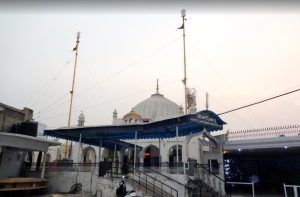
(112, 134)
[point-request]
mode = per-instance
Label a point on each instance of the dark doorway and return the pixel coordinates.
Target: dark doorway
(173, 155)
(151, 156)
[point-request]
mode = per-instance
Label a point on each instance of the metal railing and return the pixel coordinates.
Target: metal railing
(164, 167)
(210, 178)
(295, 189)
(270, 132)
(115, 170)
(159, 171)
(150, 183)
(81, 167)
(213, 183)
(244, 183)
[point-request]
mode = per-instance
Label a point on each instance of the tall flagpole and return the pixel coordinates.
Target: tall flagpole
(72, 91)
(183, 14)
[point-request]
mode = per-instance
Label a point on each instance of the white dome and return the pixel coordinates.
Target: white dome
(157, 107)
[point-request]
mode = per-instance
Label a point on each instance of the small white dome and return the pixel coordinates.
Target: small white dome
(157, 107)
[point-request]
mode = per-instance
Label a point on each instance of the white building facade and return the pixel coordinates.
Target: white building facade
(154, 151)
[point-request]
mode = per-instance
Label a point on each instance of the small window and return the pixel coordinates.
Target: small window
(213, 166)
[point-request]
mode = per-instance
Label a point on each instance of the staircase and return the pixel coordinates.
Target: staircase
(189, 187)
(150, 185)
(197, 188)
(149, 189)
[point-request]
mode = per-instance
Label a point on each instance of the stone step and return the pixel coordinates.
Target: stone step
(148, 189)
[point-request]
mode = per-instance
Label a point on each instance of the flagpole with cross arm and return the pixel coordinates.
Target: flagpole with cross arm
(72, 91)
(184, 81)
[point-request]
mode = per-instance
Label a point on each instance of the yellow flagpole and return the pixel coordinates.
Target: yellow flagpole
(72, 91)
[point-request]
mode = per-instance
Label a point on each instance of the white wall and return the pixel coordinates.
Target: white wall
(62, 181)
(190, 150)
(10, 164)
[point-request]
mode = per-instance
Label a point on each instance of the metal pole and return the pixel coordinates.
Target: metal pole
(79, 150)
(295, 191)
(253, 192)
(100, 147)
(134, 159)
(72, 91)
(114, 162)
(99, 158)
(159, 159)
(184, 60)
(285, 194)
(206, 104)
(177, 158)
(44, 165)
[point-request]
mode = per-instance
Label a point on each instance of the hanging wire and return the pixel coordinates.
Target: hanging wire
(109, 77)
(109, 101)
(47, 85)
(129, 66)
(222, 104)
(225, 81)
(262, 101)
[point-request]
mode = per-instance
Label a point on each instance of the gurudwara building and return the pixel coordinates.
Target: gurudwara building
(152, 151)
(154, 133)
(145, 137)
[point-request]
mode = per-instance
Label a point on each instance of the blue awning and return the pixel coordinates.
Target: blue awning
(112, 134)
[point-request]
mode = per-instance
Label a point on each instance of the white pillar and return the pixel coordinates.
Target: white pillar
(185, 150)
(114, 161)
(177, 158)
(44, 165)
(134, 159)
(79, 149)
(115, 149)
(99, 153)
(159, 158)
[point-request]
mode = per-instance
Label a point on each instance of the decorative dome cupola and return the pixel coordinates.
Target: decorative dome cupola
(81, 119)
(132, 117)
(157, 107)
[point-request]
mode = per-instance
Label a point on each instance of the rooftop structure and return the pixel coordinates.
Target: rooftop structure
(9, 116)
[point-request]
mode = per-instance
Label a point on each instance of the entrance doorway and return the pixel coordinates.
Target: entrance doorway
(173, 154)
(151, 156)
(89, 155)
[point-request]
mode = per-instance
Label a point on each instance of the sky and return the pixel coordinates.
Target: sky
(239, 55)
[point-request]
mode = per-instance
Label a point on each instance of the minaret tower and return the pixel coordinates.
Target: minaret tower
(81, 119)
(115, 114)
(115, 117)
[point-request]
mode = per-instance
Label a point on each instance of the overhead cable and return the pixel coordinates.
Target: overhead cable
(262, 101)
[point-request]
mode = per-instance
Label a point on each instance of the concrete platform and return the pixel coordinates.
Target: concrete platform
(21, 183)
